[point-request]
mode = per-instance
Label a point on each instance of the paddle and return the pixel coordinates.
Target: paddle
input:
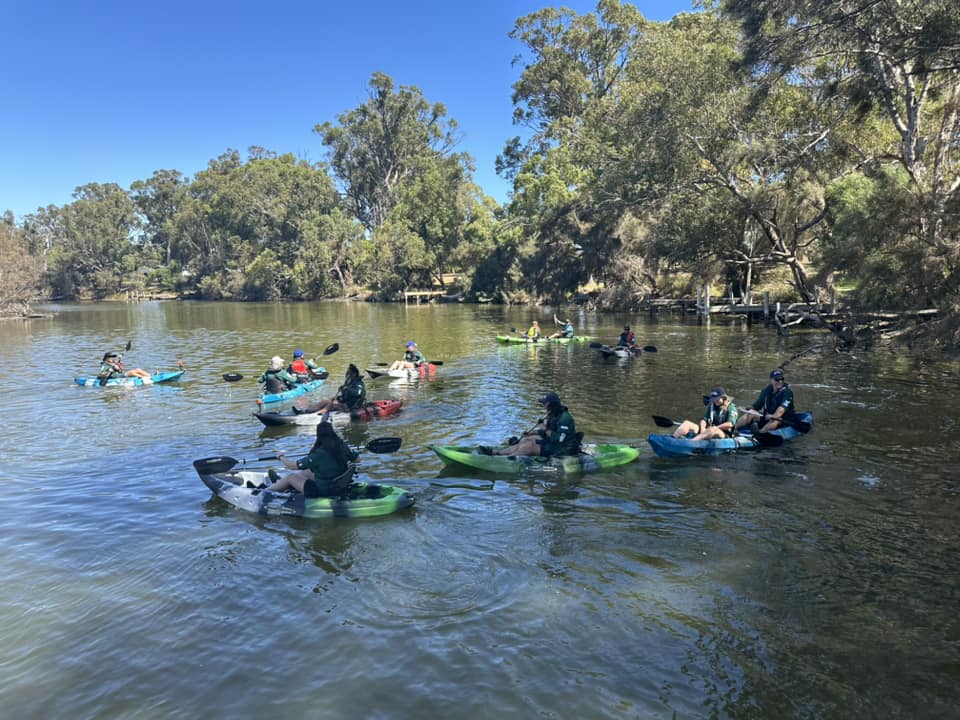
(224, 463)
(601, 346)
(768, 439)
(799, 425)
(331, 349)
(662, 421)
(232, 377)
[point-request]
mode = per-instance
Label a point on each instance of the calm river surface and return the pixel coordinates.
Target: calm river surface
(816, 580)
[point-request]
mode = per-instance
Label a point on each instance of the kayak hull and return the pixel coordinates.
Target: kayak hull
(667, 446)
(294, 392)
(154, 379)
(594, 458)
(375, 409)
(524, 340)
(425, 370)
(241, 489)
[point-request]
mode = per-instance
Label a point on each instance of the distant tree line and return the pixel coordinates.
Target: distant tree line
(799, 144)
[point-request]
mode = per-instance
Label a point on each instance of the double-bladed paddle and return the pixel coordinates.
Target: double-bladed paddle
(601, 346)
(329, 350)
(799, 425)
(224, 463)
(665, 422)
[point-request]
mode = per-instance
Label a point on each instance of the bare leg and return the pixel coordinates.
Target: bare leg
(711, 433)
(294, 480)
(526, 446)
(686, 427)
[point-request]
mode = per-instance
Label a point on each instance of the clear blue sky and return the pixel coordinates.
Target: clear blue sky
(108, 91)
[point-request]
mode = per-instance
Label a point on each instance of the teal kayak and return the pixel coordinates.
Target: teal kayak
(524, 340)
(130, 381)
(244, 489)
(667, 446)
(593, 458)
(294, 392)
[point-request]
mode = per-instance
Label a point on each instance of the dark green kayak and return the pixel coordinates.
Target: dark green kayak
(593, 458)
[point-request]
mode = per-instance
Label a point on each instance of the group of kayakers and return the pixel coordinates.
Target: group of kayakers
(773, 408)
(326, 469)
(565, 330)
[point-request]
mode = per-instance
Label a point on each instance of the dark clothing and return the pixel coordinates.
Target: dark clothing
(770, 400)
(108, 371)
(627, 339)
(560, 436)
(717, 416)
(414, 356)
(566, 329)
(326, 467)
(353, 394)
(277, 380)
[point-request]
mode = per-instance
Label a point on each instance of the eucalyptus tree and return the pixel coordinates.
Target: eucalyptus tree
(898, 60)
(382, 144)
(20, 272)
(159, 200)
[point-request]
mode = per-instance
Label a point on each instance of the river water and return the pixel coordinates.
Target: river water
(815, 580)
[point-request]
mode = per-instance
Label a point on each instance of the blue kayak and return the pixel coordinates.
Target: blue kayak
(129, 381)
(667, 446)
(294, 392)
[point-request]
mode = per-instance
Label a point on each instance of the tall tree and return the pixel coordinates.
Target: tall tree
(378, 146)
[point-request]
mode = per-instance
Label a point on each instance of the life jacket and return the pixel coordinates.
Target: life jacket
(717, 416)
(299, 367)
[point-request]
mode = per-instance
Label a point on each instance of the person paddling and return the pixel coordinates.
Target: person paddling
(412, 358)
(565, 331)
(111, 366)
(774, 404)
(350, 396)
(554, 435)
(719, 421)
(627, 338)
(275, 379)
(302, 367)
(322, 472)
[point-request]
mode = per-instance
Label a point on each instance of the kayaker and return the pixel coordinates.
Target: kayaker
(350, 396)
(275, 379)
(565, 331)
(719, 421)
(775, 402)
(627, 338)
(554, 435)
(533, 333)
(111, 366)
(316, 472)
(412, 357)
(301, 367)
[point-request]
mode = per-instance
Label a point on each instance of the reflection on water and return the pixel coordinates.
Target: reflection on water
(801, 581)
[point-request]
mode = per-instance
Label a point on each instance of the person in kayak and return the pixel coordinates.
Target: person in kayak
(322, 472)
(412, 357)
(554, 435)
(533, 333)
(627, 338)
(301, 367)
(565, 331)
(350, 396)
(275, 379)
(111, 366)
(719, 421)
(775, 403)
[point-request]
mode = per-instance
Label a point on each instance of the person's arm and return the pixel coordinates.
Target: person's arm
(287, 463)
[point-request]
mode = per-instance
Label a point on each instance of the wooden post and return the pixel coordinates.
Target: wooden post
(766, 306)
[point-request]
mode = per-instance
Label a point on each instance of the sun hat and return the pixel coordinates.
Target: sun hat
(298, 353)
(276, 362)
(551, 398)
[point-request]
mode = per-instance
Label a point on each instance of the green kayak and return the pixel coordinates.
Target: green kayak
(593, 458)
(524, 340)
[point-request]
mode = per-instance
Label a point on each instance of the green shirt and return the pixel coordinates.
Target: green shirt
(326, 466)
(560, 437)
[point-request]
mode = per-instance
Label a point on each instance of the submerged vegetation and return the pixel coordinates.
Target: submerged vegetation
(777, 143)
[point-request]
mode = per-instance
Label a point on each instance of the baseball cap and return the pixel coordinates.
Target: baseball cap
(298, 353)
(776, 374)
(550, 398)
(717, 392)
(411, 343)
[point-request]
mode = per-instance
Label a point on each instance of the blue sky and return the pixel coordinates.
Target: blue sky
(109, 91)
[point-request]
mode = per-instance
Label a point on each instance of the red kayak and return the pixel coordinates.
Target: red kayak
(373, 409)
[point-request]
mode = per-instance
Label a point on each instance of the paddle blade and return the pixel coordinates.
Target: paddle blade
(596, 345)
(384, 444)
(331, 349)
(649, 348)
(232, 377)
(800, 425)
(768, 439)
(214, 465)
(128, 346)
(438, 363)
(320, 375)
(662, 421)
